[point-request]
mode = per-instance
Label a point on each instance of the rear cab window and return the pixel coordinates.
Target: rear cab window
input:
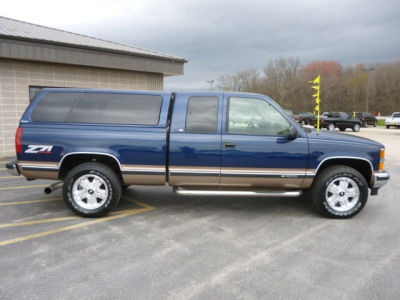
(202, 115)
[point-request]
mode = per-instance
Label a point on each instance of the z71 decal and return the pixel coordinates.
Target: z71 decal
(39, 149)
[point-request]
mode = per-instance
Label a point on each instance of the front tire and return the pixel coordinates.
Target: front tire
(387, 126)
(356, 127)
(339, 192)
(91, 190)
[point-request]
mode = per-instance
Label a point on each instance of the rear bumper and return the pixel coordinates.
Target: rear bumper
(379, 179)
(12, 168)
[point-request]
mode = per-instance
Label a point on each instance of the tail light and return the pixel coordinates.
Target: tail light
(382, 159)
(18, 140)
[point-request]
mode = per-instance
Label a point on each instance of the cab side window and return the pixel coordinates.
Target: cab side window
(255, 117)
(202, 115)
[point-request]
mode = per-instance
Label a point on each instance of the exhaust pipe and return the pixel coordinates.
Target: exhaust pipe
(52, 187)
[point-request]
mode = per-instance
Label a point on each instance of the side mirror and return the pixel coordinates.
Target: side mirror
(292, 133)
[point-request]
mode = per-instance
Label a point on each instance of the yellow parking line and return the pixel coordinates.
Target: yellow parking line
(42, 221)
(113, 216)
(145, 205)
(71, 227)
(7, 177)
(61, 219)
(29, 201)
(23, 187)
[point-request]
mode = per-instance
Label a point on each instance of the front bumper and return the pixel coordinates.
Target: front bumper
(379, 179)
(12, 168)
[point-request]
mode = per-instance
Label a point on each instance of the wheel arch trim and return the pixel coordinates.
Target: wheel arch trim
(95, 153)
(345, 157)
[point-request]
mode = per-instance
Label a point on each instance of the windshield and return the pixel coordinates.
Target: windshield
(396, 115)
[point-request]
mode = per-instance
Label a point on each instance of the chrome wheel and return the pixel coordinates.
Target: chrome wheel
(342, 194)
(331, 127)
(90, 191)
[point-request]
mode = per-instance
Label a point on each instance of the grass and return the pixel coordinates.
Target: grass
(381, 122)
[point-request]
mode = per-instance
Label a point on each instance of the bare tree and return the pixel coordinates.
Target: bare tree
(342, 88)
(240, 81)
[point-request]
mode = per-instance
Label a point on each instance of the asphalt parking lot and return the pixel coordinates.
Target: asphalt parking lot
(161, 245)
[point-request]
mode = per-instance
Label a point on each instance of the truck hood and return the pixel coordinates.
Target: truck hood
(336, 137)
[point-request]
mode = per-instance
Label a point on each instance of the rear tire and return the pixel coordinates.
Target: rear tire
(375, 123)
(339, 192)
(387, 126)
(331, 127)
(91, 189)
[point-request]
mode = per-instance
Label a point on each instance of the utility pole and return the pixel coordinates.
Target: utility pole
(368, 70)
(211, 83)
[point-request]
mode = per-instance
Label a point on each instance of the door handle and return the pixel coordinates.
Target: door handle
(229, 145)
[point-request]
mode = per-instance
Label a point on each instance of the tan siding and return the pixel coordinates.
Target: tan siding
(155, 81)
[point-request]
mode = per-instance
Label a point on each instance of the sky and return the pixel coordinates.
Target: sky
(218, 37)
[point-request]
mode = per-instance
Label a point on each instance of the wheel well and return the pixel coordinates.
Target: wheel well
(73, 160)
(361, 166)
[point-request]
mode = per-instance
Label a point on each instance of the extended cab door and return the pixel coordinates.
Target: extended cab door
(256, 149)
(195, 140)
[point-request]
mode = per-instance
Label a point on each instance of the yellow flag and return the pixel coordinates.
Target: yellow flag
(317, 80)
(316, 87)
(317, 96)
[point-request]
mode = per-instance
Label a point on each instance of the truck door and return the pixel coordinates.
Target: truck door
(256, 149)
(195, 140)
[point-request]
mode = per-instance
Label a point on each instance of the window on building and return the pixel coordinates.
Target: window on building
(202, 115)
(255, 117)
(35, 90)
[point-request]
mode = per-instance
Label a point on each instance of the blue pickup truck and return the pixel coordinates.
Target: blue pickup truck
(98, 142)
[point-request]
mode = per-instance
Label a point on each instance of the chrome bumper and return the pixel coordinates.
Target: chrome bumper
(380, 178)
(12, 168)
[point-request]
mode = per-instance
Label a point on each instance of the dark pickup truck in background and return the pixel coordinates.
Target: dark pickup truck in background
(305, 118)
(96, 142)
(366, 119)
(341, 120)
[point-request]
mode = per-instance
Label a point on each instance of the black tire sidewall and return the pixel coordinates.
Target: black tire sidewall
(320, 194)
(71, 203)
